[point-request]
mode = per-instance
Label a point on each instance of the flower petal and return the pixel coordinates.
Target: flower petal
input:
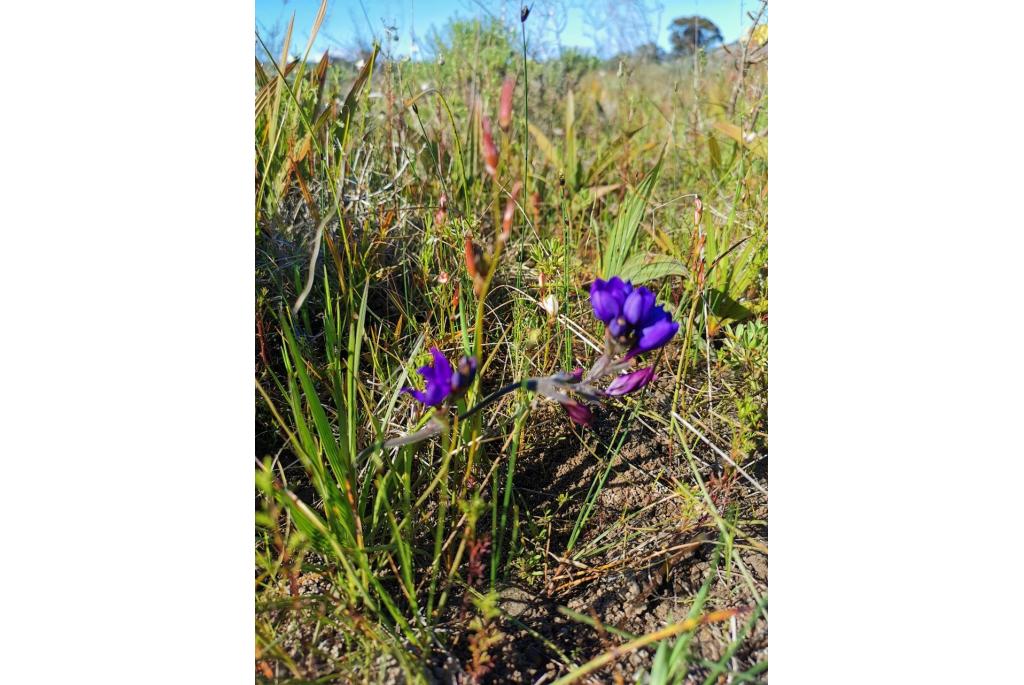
(605, 300)
(442, 367)
(437, 380)
(580, 413)
(618, 327)
(463, 376)
(418, 394)
(630, 382)
(654, 336)
(638, 305)
(620, 287)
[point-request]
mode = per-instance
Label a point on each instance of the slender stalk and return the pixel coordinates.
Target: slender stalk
(526, 136)
(499, 539)
(442, 513)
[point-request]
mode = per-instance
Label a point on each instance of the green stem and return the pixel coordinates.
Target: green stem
(442, 513)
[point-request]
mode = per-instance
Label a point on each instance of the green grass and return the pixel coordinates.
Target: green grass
(358, 276)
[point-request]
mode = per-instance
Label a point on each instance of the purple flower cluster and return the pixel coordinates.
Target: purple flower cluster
(635, 323)
(442, 381)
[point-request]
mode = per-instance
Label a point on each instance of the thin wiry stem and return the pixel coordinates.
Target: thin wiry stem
(526, 139)
(435, 426)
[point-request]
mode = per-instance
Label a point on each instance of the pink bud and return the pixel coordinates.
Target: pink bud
(505, 110)
(490, 151)
(631, 382)
(442, 211)
(510, 209)
(579, 413)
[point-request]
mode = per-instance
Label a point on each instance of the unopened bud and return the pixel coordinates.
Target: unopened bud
(550, 305)
(535, 206)
(442, 211)
(505, 108)
(489, 149)
(464, 374)
(510, 210)
(475, 263)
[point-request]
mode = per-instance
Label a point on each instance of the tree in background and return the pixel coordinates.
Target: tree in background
(618, 27)
(689, 34)
(648, 52)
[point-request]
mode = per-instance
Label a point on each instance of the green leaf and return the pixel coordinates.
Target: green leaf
(659, 669)
(714, 152)
(349, 107)
(724, 307)
(758, 146)
(607, 156)
(587, 196)
(627, 222)
(641, 268)
(554, 159)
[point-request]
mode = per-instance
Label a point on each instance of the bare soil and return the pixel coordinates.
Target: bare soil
(641, 577)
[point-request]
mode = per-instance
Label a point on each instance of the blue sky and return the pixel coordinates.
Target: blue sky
(565, 20)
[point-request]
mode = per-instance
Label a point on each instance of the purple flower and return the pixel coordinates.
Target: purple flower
(607, 297)
(441, 380)
(630, 382)
(464, 374)
(635, 322)
(580, 413)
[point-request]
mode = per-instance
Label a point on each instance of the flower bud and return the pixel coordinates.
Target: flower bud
(535, 206)
(630, 382)
(550, 305)
(463, 376)
(510, 211)
(442, 211)
(489, 149)
(580, 413)
(505, 108)
(475, 263)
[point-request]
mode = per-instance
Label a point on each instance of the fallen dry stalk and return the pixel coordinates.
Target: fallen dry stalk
(658, 635)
